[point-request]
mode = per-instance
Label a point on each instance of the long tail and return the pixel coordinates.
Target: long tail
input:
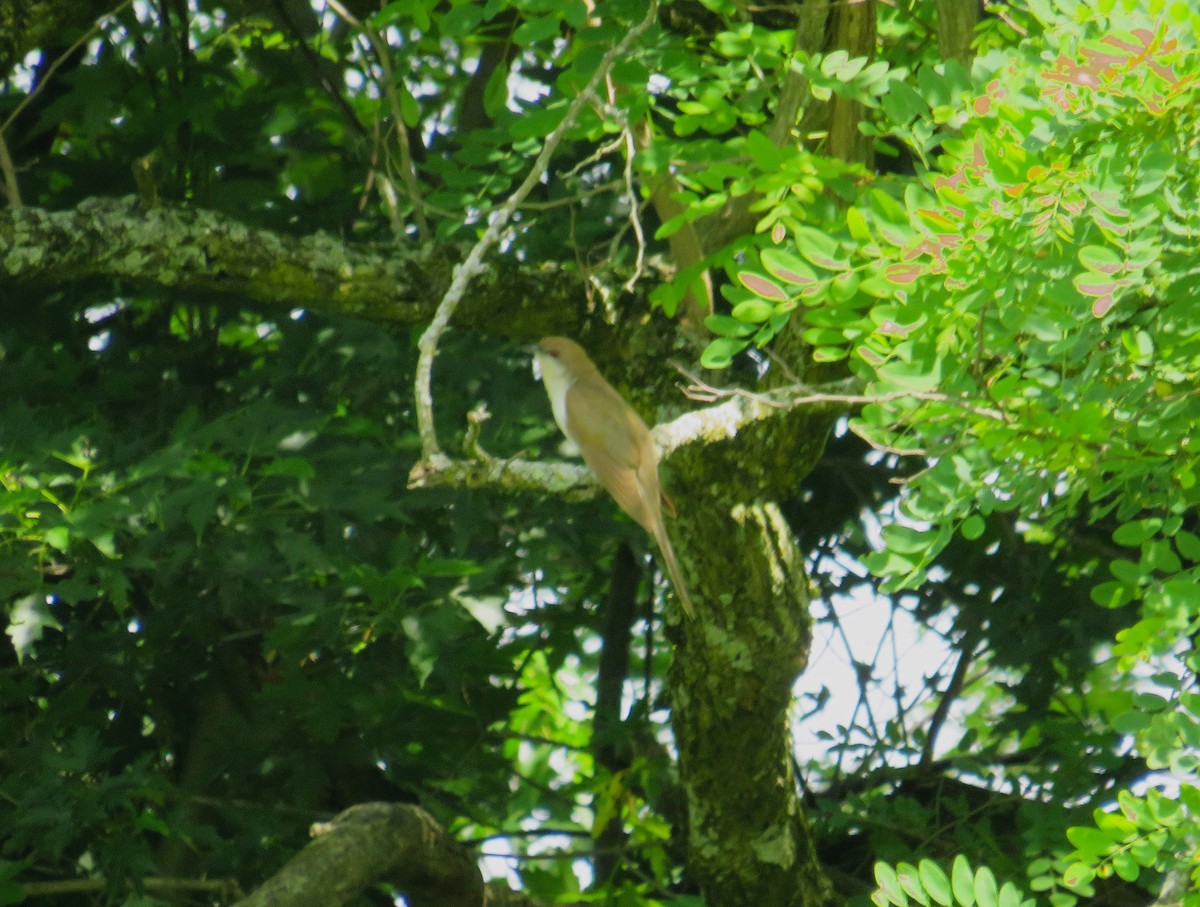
(673, 571)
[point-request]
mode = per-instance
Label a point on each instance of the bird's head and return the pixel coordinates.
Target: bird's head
(561, 358)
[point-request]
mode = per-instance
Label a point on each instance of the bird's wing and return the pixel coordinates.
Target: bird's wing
(615, 448)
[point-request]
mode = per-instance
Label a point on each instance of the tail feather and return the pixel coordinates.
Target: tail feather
(673, 571)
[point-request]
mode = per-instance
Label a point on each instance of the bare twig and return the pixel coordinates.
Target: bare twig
(800, 394)
(716, 423)
(407, 171)
(952, 692)
(63, 57)
(473, 263)
(475, 420)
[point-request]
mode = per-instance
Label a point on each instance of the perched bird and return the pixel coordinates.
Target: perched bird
(613, 441)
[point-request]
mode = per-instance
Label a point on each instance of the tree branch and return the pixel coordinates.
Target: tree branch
(407, 168)
(395, 842)
(473, 264)
(207, 253)
(575, 482)
(223, 888)
(8, 176)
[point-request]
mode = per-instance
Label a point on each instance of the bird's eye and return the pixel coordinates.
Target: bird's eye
(553, 354)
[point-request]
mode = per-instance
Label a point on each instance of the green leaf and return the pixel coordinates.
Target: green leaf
(1091, 842)
(963, 881)
(539, 122)
(410, 110)
(1144, 852)
(1100, 259)
(1188, 545)
(28, 619)
(461, 19)
(889, 885)
(293, 467)
(1126, 866)
(903, 273)
(985, 887)
(756, 283)
(913, 376)
(911, 883)
(1130, 721)
(820, 248)
(1078, 875)
(1133, 534)
(765, 154)
(721, 351)
(973, 527)
(1010, 895)
(902, 104)
(58, 537)
(905, 539)
(533, 31)
(488, 610)
(753, 311)
(935, 882)
(784, 266)
(728, 326)
(857, 226)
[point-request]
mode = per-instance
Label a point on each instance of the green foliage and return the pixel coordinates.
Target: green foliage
(228, 616)
(1144, 834)
(927, 884)
(1023, 312)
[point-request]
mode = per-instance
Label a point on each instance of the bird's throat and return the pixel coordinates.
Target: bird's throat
(557, 381)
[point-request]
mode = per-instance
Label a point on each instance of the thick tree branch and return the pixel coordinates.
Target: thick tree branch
(716, 423)
(221, 888)
(393, 842)
(396, 843)
(200, 252)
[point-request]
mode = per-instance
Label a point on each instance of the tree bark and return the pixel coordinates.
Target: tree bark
(610, 743)
(731, 688)
(209, 254)
(395, 842)
(853, 30)
(956, 21)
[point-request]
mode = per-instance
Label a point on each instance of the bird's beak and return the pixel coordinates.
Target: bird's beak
(532, 350)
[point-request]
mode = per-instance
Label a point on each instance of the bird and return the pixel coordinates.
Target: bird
(613, 441)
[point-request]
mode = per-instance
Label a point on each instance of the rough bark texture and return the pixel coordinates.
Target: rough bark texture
(853, 29)
(750, 842)
(610, 743)
(395, 842)
(731, 683)
(956, 21)
(206, 253)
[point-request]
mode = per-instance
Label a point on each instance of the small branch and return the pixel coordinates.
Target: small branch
(226, 887)
(800, 394)
(407, 170)
(567, 480)
(629, 140)
(952, 692)
(473, 264)
(475, 420)
(63, 57)
(576, 482)
(11, 188)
